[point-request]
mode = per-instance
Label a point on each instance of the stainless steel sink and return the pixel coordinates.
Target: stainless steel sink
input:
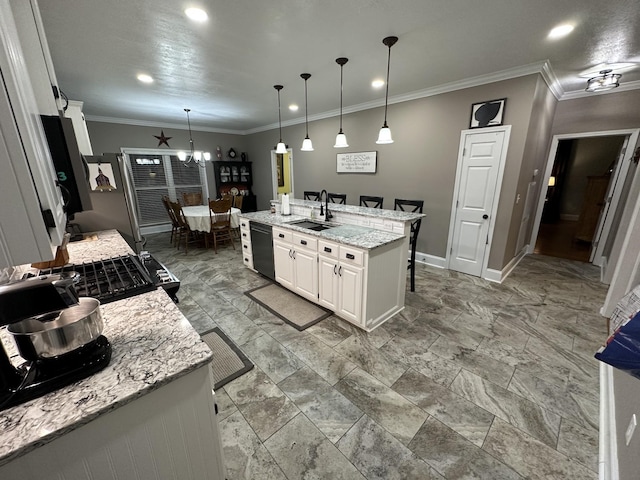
(309, 225)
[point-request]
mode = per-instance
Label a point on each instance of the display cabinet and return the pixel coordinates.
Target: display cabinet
(235, 178)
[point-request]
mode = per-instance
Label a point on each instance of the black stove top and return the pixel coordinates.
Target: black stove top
(110, 279)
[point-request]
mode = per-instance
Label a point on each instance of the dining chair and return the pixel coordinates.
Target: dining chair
(309, 195)
(184, 230)
(411, 206)
(175, 226)
(340, 197)
(371, 202)
(192, 198)
(220, 215)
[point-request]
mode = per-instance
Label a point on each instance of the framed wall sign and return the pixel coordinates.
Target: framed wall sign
(487, 114)
(357, 162)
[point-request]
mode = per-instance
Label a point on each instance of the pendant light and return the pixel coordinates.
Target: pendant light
(281, 147)
(385, 132)
(307, 146)
(341, 138)
(195, 156)
(605, 81)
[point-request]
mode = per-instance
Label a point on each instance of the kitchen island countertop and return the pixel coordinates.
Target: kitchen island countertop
(153, 344)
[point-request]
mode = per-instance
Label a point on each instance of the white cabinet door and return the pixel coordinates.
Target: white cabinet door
(328, 282)
(350, 292)
(283, 264)
(306, 274)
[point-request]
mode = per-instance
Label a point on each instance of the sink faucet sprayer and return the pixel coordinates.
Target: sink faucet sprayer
(326, 215)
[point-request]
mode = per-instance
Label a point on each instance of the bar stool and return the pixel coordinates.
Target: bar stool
(371, 202)
(315, 196)
(340, 197)
(411, 206)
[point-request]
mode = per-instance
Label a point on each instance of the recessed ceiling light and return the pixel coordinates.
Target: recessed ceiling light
(144, 78)
(377, 83)
(560, 31)
(196, 14)
(293, 107)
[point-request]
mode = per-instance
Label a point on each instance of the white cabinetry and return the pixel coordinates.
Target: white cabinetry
(296, 262)
(74, 112)
(245, 241)
(341, 275)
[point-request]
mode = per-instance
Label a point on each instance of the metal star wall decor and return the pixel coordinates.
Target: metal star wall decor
(162, 139)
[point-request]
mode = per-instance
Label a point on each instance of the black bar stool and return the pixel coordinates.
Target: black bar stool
(315, 196)
(411, 206)
(371, 202)
(341, 197)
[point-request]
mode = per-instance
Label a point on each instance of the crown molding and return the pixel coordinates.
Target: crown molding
(150, 123)
(624, 87)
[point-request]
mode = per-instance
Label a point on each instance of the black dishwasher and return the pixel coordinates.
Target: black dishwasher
(262, 249)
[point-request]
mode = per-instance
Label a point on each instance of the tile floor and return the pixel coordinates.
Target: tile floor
(473, 380)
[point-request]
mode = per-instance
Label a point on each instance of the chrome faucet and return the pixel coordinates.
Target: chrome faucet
(327, 215)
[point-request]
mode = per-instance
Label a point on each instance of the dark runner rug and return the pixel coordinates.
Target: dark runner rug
(228, 361)
(293, 309)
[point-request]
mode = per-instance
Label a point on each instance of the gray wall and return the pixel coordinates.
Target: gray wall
(421, 164)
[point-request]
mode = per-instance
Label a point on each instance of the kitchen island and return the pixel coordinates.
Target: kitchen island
(354, 265)
(148, 415)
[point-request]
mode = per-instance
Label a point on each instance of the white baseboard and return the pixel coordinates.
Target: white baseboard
(499, 276)
(608, 445)
(165, 227)
(432, 260)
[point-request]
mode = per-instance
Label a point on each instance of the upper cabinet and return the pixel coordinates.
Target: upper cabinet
(235, 178)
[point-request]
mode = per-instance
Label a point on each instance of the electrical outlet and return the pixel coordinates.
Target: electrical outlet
(630, 429)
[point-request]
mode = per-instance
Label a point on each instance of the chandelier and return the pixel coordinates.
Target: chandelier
(605, 81)
(195, 157)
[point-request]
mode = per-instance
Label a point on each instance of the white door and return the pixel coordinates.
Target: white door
(479, 168)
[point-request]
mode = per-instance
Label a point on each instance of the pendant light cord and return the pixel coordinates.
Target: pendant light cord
(386, 95)
(279, 118)
(190, 135)
(341, 67)
(306, 109)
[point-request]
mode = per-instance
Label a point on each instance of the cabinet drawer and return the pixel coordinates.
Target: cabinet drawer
(244, 224)
(245, 234)
(306, 242)
(247, 259)
(282, 235)
(351, 255)
(328, 249)
(246, 247)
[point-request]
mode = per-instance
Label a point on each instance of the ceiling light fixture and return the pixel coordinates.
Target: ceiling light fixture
(307, 146)
(560, 31)
(293, 107)
(605, 81)
(144, 78)
(281, 147)
(196, 157)
(385, 132)
(377, 83)
(196, 14)
(341, 138)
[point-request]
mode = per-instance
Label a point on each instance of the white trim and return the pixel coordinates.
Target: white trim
(431, 260)
(499, 276)
(551, 159)
(151, 229)
(506, 129)
(608, 445)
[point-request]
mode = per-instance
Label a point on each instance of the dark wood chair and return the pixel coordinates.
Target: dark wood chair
(192, 198)
(175, 226)
(315, 196)
(371, 202)
(340, 198)
(411, 206)
(220, 214)
(184, 231)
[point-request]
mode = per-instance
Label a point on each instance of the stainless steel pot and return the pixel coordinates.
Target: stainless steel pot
(49, 336)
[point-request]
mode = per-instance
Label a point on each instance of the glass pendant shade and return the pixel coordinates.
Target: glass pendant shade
(384, 136)
(606, 81)
(341, 140)
(281, 148)
(182, 156)
(307, 146)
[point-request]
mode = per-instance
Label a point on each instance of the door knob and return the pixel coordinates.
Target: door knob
(485, 216)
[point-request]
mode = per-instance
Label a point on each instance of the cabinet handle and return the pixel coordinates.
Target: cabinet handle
(244, 234)
(303, 242)
(334, 269)
(290, 254)
(294, 254)
(327, 249)
(244, 246)
(243, 224)
(281, 235)
(340, 270)
(350, 256)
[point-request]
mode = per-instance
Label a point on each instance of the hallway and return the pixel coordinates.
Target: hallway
(557, 240)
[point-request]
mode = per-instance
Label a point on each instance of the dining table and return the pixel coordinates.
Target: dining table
(197, 217)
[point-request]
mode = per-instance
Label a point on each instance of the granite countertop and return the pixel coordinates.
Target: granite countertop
(353, 235)
(153, 344)
(383, 213)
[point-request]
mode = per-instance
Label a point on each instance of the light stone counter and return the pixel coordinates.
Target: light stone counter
(153, 344)
(399, 215)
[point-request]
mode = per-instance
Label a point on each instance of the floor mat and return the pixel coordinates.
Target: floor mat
(288, 306)
(228, 361)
